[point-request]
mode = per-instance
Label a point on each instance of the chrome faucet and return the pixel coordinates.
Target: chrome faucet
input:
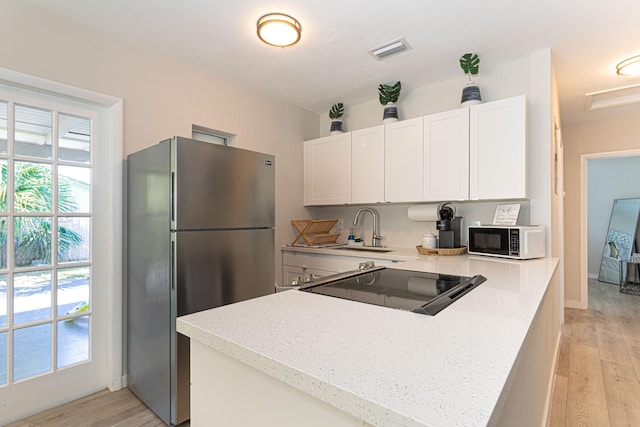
(375, 239)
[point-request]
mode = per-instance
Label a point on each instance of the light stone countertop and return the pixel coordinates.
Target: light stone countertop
(385, 366)
(394, 254)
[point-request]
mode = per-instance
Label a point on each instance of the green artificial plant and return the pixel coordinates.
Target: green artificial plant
(470, 64)
(389, 93)
(336, 111)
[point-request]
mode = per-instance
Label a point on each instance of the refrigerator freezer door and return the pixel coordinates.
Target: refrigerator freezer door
(221, 187)
(215, 268)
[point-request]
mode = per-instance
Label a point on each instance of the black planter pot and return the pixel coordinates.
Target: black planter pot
(390, 113)
(470, 95)
(336, 127)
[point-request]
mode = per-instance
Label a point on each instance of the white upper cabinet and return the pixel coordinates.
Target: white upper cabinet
(327, 170)
(446, 156)
(367, 165)
(403, 147)
(475, 153)
(498, 150)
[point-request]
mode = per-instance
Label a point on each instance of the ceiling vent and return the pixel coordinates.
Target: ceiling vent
(389, 49)
(612, 98)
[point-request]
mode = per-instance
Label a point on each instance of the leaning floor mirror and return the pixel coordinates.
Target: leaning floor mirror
(622, 238)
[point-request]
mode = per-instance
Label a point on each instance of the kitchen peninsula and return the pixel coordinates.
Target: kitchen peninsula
(295, 358)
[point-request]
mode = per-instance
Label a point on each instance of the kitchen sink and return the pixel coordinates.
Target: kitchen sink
(365, 249)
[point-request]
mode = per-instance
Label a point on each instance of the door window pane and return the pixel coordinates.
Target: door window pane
(32, 240)
(3, 242)
(3, 300)
(33, 132)
(31, 296)
(73, 290)
(3, 358)
(31, 351)
(73, 239)
(74, 138)
(74, 189)
(33, 189)
(3, 127)
(73, 341)
(3, 185)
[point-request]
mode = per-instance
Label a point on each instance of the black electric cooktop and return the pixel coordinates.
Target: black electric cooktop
(417, 291)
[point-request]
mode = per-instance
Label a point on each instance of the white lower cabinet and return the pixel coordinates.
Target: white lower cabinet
(226, 392)
(298, 264)
(292, 272)
(498, 166)
(446, 156)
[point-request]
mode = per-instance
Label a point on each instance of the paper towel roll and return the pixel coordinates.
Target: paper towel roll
(423, 212)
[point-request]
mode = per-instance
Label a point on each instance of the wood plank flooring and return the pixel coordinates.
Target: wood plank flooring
(102, 409)
(597, 379)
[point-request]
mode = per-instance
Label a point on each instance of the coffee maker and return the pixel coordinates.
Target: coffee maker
(449, 226)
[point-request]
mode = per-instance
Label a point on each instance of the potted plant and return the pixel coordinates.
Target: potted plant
(389, 95)
(336, 111)
(470, 64)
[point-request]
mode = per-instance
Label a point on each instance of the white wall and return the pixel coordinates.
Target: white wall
(496, 82)
(162, 96)
(531, 75)
(398, 231)
(608, 179)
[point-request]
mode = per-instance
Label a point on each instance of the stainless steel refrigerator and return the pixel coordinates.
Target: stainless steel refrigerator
(200, 232)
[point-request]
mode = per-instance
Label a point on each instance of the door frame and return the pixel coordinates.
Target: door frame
(583, 303)
(112, 135)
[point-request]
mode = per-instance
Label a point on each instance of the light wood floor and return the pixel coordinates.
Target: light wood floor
(103, 409)
(597, 381)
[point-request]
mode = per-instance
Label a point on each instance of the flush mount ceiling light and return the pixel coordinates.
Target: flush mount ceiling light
(388, 49)
(278, 29)
(629, 67)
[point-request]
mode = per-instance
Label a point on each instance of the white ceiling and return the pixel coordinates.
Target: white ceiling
(587, 38)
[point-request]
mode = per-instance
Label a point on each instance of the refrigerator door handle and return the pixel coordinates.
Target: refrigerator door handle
(173, 265)
(173, 192)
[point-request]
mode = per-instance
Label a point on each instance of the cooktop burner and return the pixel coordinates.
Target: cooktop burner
(417, 291)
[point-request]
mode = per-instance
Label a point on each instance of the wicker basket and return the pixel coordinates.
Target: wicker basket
(441, 251)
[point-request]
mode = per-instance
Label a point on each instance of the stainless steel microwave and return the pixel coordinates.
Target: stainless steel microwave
(517, 242)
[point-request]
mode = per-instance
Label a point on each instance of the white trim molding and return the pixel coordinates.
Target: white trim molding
(113, 135)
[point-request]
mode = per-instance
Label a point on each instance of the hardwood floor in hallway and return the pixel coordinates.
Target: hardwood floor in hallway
(597, 380)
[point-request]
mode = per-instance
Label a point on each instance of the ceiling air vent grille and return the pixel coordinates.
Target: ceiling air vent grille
(388, 49)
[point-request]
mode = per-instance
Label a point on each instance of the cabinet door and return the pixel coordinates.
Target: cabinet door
(446, 155)
(327, 170)
(498, 149)
(403, 147)
(367, 165)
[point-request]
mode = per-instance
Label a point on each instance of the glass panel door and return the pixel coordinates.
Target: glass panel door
(52, 314)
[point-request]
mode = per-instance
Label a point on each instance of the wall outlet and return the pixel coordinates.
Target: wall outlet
(340, 223)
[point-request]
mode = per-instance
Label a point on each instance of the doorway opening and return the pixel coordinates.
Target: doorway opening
(608, 175)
